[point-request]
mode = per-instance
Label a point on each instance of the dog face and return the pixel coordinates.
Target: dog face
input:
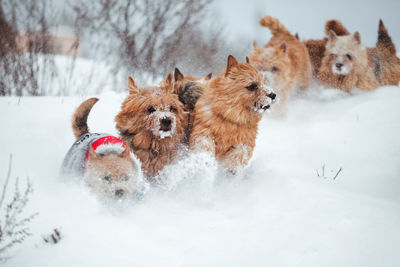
(273, 63)
(152, 113)
(112, 175)
(241, 92)
(344, 53)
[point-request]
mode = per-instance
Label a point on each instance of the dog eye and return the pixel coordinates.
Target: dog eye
(274, 69)
(106, 178)
(173, 109)
(252, 87)
(151, 109)
(348, 56)
(126, 178)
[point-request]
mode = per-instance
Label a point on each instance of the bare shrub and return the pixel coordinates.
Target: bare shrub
(142, 37)
(30, 59)
(13, 224)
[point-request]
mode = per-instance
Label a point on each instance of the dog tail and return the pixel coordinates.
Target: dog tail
(384, 41)
(335, 26)
(79, 119)
(274, 25)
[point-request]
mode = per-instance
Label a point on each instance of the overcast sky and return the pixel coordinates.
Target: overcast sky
(307, 17)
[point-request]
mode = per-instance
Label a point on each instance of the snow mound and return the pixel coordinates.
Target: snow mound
(282, 212)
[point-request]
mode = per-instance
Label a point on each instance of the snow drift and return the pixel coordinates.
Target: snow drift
(280, 213)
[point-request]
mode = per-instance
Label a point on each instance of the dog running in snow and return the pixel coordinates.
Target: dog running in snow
(152, 122)
(103, 160)
(226, 115)
(283, 60)
(382, 58)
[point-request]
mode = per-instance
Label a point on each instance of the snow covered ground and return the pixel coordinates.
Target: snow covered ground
(279, 214)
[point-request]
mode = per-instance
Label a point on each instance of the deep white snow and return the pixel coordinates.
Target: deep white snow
(280, 213)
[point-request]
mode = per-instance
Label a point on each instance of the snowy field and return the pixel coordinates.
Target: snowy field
(280, 213)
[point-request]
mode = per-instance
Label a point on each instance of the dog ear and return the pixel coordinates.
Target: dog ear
(247, 60)
(297, 36)
(169, 78)
(332, 36)
(255, 45)
(125, 153)
(232, 62)
(208, 77)
(132, 87)
(283, 47)
(93, 154)
(357, 37)
(168, 84)
(178, 75)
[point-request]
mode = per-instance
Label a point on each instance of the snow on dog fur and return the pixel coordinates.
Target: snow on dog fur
(226, 115)
(152, 122)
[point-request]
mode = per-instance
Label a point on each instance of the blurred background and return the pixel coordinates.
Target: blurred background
(78, 47)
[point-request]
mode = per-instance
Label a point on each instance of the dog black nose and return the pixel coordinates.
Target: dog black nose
(272, 96)
(166, 122)
(339, 65)
(119, 193)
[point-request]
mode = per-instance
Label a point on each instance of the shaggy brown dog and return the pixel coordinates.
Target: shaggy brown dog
(152, 122)
(105, 161)
(345, 64)
(284, 61)
(316, 48)
(227, 114)
(384, 59)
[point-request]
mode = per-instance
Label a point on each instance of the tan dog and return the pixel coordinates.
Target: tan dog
(105, 161)
(316, 48)
(345, 64)
(227, 114)
(383, 57)
(284, 61)
(152, 122)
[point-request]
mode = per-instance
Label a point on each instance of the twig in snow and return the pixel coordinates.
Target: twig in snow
(322, 175)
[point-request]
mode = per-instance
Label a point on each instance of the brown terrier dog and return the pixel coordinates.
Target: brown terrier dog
(283, 60)
(105, 161)
(345, 64)
(152, 122)
(226, 115)
(316, 48)
(384, 59)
